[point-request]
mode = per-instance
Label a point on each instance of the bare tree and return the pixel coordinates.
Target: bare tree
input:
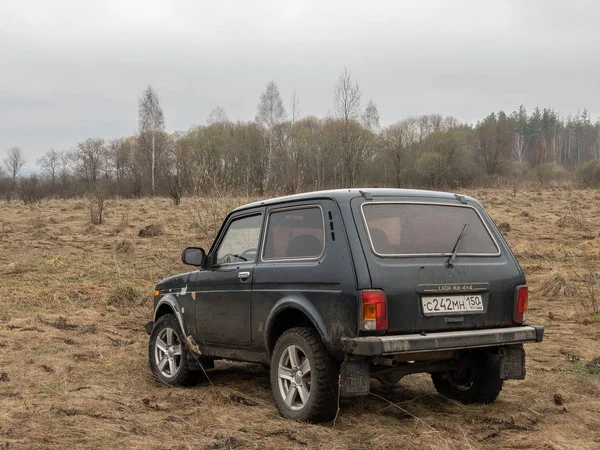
(492, 144)
(445, 158)
(119, 152)
(370, 117)
(14, 161)
(295, 108)
(49, 164)
(178, 166)
(519, 148)
(350, 140)
(29, 190)
(396, 149)
(346, 97)
(270, 111)
(270, 115)
(151, 120)
(89, 157)
(217, 116)
(64, 163)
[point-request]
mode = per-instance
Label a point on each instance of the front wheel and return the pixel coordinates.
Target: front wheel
(477, 381)
(304, 376)
(168, 353)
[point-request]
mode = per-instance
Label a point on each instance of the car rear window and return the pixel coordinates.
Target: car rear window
(401, 229)
(295, 234)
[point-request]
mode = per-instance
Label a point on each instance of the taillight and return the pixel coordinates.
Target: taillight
(374, 310)
(521, 304)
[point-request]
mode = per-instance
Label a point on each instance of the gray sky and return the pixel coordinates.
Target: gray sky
(72, 69)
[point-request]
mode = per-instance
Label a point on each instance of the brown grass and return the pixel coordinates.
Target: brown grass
(74, 369)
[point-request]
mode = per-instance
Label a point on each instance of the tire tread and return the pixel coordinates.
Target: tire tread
(324, 386)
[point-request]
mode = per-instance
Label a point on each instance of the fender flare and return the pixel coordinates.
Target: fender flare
(173, 304)
(301, 304)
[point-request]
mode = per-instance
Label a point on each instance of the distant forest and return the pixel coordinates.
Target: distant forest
(283, 152)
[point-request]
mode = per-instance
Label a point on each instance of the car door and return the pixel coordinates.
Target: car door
(223, 292)
(305, 263)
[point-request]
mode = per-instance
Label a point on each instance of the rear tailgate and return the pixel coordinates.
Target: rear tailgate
(408, 245)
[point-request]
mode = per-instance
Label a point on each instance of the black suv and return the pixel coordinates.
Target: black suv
(334, 288)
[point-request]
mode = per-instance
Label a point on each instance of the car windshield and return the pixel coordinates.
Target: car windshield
(425, 229)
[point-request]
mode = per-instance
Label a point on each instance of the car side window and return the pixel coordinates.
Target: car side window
(294, 233)
(240, 243)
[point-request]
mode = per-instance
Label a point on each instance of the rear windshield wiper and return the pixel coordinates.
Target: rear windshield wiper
(450, 262)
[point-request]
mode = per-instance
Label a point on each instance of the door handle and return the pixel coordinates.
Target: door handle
(243, 275)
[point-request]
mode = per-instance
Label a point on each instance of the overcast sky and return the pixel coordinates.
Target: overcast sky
(72, 69)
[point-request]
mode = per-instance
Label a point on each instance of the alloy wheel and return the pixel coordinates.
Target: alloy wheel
(167, 352)
(294, 377)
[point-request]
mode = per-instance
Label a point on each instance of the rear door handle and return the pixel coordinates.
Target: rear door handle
(243, 275)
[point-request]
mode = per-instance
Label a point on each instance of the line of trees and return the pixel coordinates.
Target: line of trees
(282, 152)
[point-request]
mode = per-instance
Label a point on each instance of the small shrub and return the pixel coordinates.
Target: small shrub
(97, 204)
(588, 174)
(573, 220)
(557, 284)
(125, 295)
(29, 190)
(590, 302)
(547, 172)
(152, 230)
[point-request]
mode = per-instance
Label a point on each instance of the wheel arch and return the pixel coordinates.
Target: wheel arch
(168, 304)
(290, 312)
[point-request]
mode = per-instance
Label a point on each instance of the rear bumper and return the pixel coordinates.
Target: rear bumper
(450, 340)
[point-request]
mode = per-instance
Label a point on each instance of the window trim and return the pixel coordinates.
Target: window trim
(292, 208)
(226, 229)
(418, 255)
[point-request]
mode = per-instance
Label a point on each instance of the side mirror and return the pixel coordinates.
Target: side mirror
(193, 256)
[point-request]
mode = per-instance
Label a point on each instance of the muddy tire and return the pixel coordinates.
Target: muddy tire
(304, 377)
(477, 382)
(169, 355)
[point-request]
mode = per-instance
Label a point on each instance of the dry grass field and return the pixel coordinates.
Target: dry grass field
(73, 352)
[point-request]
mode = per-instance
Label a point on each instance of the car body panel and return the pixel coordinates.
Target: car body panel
(234, 319)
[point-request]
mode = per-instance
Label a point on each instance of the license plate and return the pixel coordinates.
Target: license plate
(451, 304)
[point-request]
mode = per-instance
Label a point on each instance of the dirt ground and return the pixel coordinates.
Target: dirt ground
(73, 352)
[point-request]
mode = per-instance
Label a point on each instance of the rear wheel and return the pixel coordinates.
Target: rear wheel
(304, 376)
(169, 355)
(477, 381)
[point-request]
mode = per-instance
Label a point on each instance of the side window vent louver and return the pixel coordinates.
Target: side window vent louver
(331, 225)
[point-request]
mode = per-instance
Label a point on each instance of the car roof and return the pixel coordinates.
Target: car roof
(345, 195)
